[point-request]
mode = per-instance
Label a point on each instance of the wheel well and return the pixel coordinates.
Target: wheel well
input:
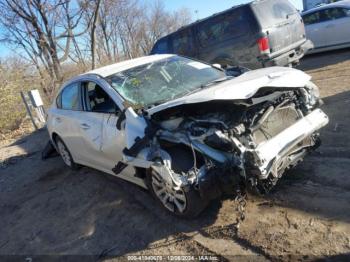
(54, 136)
(182, 157)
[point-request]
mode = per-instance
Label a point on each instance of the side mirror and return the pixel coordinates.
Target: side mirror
(217, 66)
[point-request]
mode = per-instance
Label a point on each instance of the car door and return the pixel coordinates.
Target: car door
(337, 26)
(101, 141)
(65, 116)
(314, 29)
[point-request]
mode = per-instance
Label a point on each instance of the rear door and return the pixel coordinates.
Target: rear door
(65, 118)
(281, 22)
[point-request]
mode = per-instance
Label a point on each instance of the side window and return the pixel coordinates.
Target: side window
(182, 42)
(97, 100)
(70, 97)
(333, 13)
(225, 26)
(161, 47)
(210, 31)
(312, 18)
(325, 15)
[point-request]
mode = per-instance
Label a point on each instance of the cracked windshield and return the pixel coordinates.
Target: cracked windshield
(164, 80)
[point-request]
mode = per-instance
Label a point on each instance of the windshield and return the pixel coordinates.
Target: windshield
(163, 80)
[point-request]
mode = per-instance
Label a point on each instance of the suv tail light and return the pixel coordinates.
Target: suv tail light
(264, 46)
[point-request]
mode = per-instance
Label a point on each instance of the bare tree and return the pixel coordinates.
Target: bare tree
(158, 22)
(129, 28)
(93, 33)
(54, 33)
(44, 30)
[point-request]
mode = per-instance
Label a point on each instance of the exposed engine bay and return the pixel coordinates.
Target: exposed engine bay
(216, 145)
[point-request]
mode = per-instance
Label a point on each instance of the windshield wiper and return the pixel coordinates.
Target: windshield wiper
(222, 79)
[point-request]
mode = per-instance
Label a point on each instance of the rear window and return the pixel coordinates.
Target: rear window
(272, 12)
(229, 25)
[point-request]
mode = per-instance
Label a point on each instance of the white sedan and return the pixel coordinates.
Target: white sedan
(328, 26)
(184, 129)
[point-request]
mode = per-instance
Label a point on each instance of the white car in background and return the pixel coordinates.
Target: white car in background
(184, 129)
(328, 26)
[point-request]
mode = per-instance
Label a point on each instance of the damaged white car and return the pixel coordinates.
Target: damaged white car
(187, 130)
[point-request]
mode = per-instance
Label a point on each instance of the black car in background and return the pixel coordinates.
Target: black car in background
(258, 34)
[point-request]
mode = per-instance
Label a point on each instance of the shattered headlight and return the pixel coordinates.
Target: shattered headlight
(313, 89)
(312, 96)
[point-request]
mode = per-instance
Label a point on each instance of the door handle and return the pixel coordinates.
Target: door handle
(330, 26)
(58, 120)
(84, 126)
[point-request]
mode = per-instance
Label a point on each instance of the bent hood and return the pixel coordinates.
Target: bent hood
(242, 87)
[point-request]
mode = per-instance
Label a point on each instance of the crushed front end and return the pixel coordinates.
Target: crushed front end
(224, 143)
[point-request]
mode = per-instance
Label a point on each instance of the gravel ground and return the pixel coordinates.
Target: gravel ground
(47, 209)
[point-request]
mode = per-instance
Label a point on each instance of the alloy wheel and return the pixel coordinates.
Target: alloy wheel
(173, 199)
(64, 153)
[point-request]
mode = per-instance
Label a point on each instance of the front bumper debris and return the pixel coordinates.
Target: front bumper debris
(280, 145)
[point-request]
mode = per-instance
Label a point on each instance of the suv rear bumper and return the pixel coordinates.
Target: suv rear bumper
(291, 57)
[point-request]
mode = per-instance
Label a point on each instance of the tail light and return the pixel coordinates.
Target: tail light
(264, 46)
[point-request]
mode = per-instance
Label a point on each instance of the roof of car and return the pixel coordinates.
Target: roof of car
(125, 65)
(344, 3)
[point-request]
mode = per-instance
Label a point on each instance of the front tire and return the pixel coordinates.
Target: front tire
(177, 201)
(65, 154)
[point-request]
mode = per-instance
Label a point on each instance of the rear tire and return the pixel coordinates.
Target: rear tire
(65, 154)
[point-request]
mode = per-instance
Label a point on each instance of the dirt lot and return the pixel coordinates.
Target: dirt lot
(47, 209)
